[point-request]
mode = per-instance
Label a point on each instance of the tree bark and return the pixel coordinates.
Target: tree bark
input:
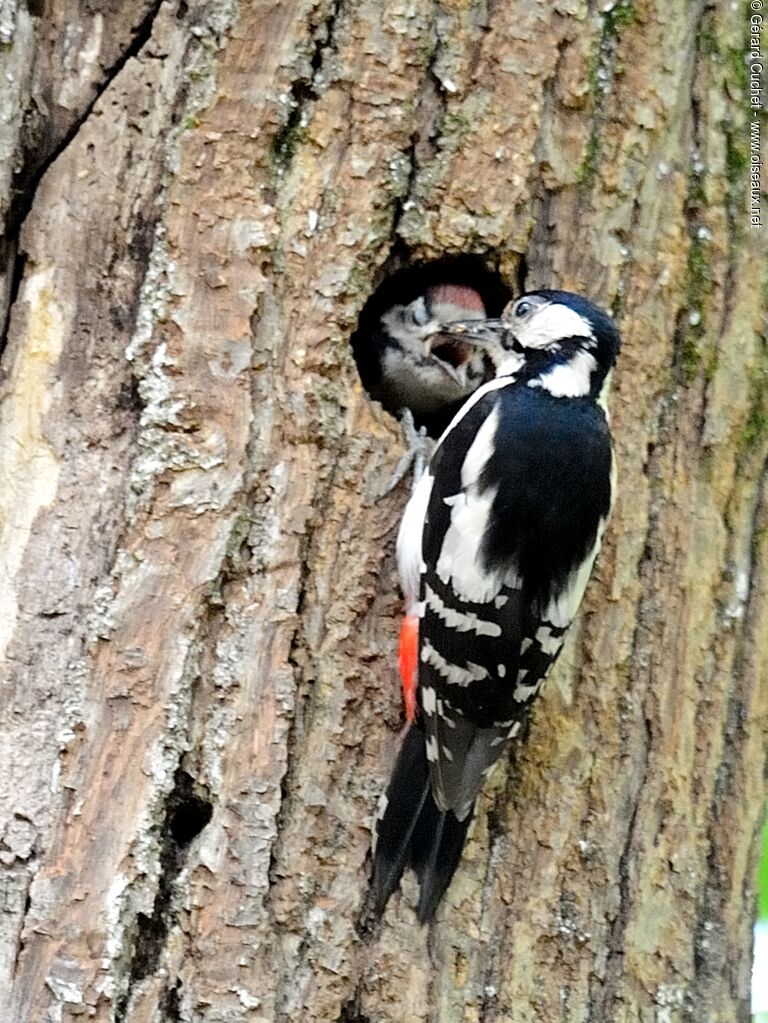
(199, 607)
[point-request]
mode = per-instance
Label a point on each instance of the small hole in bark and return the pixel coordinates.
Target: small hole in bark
(36, 8)
(188, 818)
(463, 287)
(171, 1005)
(350, 1012)
(187, 812)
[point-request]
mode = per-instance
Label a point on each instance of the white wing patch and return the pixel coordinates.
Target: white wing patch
(480, 450)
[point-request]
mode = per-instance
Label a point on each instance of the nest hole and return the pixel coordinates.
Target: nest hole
(465, 278)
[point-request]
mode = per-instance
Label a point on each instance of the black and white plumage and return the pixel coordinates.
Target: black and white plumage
(495, 550)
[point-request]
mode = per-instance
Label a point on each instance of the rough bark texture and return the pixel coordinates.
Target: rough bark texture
(198, 610)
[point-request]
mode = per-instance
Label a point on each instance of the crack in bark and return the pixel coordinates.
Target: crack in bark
(26, 180)
(613, 19)
(11, 253)
(302, 694)
(304, 90)
(542, 200)
(431, 109)
(188, 809)
(299, 658)
(497, 831)
(171, 1005)
(686, 354)
(29, 876)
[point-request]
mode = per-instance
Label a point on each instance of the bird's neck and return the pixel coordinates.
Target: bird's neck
(570, 371)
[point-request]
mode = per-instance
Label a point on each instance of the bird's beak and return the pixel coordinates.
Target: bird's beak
(451, 353)
(488, 335)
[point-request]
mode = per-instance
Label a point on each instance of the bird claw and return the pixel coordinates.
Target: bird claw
(418, 453)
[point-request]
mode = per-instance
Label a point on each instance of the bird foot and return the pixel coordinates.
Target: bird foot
(418, 453)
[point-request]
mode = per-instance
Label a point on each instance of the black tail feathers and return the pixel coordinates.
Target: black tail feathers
(413, 832)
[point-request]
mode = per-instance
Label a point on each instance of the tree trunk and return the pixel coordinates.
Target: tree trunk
(199, 608)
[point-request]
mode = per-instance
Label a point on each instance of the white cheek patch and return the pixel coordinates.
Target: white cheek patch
(550, 324)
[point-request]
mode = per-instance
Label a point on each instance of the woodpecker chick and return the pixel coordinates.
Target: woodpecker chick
(497, 542)
(419, 366)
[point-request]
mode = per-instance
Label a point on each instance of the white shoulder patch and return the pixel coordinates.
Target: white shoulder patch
(459, 564)
(480, 450)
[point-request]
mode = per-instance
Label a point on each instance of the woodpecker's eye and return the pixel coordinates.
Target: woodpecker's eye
(419, 312)
(523, 308)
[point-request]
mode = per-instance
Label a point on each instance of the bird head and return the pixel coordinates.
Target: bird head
(555, 339)
(451, 366)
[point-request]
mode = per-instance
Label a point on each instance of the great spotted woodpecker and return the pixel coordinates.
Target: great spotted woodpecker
(495, 550)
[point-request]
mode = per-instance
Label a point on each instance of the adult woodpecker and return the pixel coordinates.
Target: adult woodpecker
(408, 362)
(495, 550)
